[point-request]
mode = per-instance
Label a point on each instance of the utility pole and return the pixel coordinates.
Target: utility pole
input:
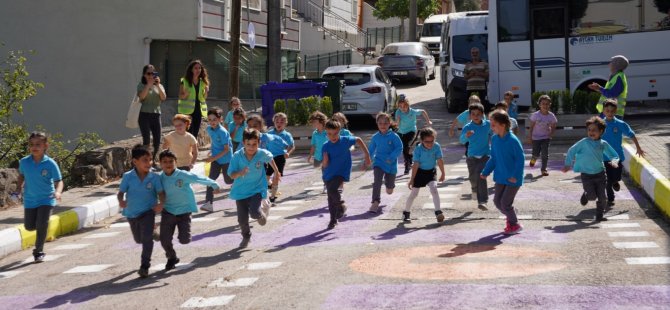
(274, 41)
(412, 21)
(234, 73)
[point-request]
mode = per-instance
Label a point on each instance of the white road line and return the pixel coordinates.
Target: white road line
(460, 165)
(299, 164)
(628, 234)
(635, 245)
(120, 225)
(619, 217)
(11, 274)
(443, 205)
(274, 217)
(47, 258)
(317, 183)
(102, 235)
(178, 266)
(262, 266)
(401, 184)
(648, 260)
(74, 246)
(459, 170)
(223, 282)
(204, 219)
(448, 196)
(314, 188)
(449, 189)
(88, 268)
(282, 208)
(202, 302)
(519, 216)
(620, 225)
(292, 202)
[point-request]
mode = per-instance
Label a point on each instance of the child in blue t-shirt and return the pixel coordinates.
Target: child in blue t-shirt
(427, 155)
(276, 145)
(43, 187)
(179, 204)
(220, 155)
(513, 109)
(336, 167)
(463, 118)
(615, 129)
(385, 147)
(506, 162)
(280, 121)
(249, 190)
(586, 156)
(318, 121)
(340, 117)
(237, 127)
(234, 104)
(137, 199)
(477, 133)
(406, 119)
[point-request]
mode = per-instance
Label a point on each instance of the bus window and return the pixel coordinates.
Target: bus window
(431, 30)
(462, 44)
(548, 23)
(595, 18)
(512, 20)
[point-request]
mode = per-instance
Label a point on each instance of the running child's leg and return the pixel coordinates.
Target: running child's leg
(473, 175)
(42, 227)
(334, 197)
(214, 172)
(482, 185)
(544, 148)
(389, 181)
(535, 152)
(432, 185)
(601, 203)
(377, 184)
(146, 223)
(184, 227)
(224, 170)
(168, 224)
(507, 195)
(410, 199)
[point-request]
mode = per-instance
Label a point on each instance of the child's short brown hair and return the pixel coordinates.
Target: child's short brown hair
(319, 117)
(474, 99)
(333, 124)
(501, 105)
(216, 111)
(509, 93)
(610, 103)
(595, 120)
(251, 134)
(542, 98)
(38, 135)
(341, 118)
(427, 132)
(240, 113)
(501, 117)
(257, 118)
(184, 118)
(476, 106)
(279, 115)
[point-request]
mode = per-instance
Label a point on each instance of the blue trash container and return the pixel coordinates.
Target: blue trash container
(272, 91)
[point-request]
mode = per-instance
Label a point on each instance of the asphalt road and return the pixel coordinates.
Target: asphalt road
(562, 259)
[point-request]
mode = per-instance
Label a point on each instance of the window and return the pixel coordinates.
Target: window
(253, 4)
(431, 30)
(379, 75)
(512, 20)
(354, 10)
(350, 78)
(596, 18)
(464, 43)
(549, 23)
(403, 49)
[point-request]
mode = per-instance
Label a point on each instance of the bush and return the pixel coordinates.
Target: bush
(567, 104)
(327, 106)
(581, 99)
(298, 111)
(280, 106)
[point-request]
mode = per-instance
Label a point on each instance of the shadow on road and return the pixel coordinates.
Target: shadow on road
(484, 244)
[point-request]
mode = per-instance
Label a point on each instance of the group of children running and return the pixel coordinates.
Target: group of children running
(252, 160)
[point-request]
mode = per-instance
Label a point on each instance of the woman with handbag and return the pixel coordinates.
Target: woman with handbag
(150, 93)
(193, 89)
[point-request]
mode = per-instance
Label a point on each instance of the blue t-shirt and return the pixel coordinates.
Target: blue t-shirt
(427, 158)
(254, 182)
(141, 195)
(39, 181)
(407, 121)
(276, 145)
(229, 117)
(464, 117)
(384, 150)
(479, 141)
(285, 135)
(507, 160)
(345, 132)
(339, 158)
(614, 132)
(318, 139)
(220, 138)
(238, 135)
(586, 155)
(179, 196)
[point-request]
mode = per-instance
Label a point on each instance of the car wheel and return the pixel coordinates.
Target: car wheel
(424, 79)
(452, 107)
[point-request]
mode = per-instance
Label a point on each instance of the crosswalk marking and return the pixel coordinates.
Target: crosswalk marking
(459, 169)
(11, 274)
(292, 202)
(648, 260)
(448, 196)
(628, 234)
(299, 164)
(47, 258)
(449, 189)
(443, 205)
(88, 268)
(262, 266)
(619, 217)
(204, 219)
(518, 216)
(314, 188)
(620, 225)
(74, 246)
(274, 217)
(635, 245)
(120, 225)
(223, 282)
(282, 208)
(201, 302)
(178, 266)
(102, 235)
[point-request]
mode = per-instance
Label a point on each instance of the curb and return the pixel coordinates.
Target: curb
(649, 178)
(15, 239)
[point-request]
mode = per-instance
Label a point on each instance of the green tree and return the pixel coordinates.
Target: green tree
(15, 89)
(386, 9)
(466, 5)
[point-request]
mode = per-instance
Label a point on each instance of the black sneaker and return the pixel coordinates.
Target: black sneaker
(405, 216)
(439, 216)
(610, 203)
(600, 218)
(583, 200)
(406, 170)
(616, 187)
(342, 211)
(332, 224)
(245, 241)
(39, 257)
(272, 199)
(171, 263)
(143, 272)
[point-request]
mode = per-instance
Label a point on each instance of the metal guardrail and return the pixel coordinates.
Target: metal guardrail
(332, 24)
(383, 36)
(313, 66)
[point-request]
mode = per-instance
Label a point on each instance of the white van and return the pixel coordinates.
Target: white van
(460, 32)
(431, 32)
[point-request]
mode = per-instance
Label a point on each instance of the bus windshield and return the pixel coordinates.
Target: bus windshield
(462, 44)
(431, 30)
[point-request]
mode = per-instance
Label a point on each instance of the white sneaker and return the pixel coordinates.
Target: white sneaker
(324, 189)
(374, 207)
(265, 207)
(389, 191)
(207, 207)
(473, 196)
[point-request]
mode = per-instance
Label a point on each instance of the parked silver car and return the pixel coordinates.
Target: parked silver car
(367, 90)
(408, 61)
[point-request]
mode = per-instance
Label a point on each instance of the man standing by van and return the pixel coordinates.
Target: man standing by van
(476, 73)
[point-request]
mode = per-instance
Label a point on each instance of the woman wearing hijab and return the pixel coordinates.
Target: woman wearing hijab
(616, 87)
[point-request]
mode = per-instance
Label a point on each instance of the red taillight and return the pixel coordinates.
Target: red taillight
(380, 62)
(372, 90)
(419, 62)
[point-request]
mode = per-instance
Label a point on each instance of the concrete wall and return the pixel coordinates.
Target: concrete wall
(370, 21)
(89, 55)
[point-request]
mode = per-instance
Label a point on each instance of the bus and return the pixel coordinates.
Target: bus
(430, 33)
(543, 45)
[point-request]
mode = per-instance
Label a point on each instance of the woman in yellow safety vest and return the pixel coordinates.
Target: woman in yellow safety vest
(616, 87)
(194, 82)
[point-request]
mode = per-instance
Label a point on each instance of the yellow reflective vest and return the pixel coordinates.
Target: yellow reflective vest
(187, 106)
(621, 100)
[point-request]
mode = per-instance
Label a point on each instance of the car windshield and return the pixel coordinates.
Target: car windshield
(403, 49)
(431, 30)
(462, 44)
(350, 78)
